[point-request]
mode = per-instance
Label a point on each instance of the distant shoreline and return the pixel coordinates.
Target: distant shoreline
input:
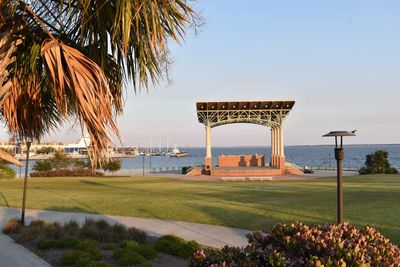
(258, 146)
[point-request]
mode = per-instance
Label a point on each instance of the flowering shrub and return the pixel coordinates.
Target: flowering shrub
(300, 245)
(78, 172)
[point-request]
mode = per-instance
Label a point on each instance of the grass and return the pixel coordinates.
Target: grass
(371, 199)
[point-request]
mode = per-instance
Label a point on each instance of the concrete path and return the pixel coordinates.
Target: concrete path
(15, 255)
(209, 235)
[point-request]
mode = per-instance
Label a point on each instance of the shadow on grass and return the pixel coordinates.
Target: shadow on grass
(70, 209)
(5, 200)
(96, 183)
(248, 220)
(80, 203)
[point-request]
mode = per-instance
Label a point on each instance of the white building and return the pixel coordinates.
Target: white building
(78, 148)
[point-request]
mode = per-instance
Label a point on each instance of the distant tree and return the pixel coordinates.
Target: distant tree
(80, 163)
(42, 165)
(61, 161)
(377, 163)
(112, 165)
(46, 150)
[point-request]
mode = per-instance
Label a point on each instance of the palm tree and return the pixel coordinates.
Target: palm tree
(63, 58)
(69, 58)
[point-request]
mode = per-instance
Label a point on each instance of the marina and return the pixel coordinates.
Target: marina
(320, 157)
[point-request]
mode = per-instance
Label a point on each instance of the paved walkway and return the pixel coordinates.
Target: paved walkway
(14, 255)
(11, 254)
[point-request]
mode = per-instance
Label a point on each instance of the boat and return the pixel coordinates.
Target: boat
(177, 154)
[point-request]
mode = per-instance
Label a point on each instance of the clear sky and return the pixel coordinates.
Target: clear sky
(339, 60)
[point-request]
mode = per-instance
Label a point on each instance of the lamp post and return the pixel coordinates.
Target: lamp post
(28, 146)
(339, 156)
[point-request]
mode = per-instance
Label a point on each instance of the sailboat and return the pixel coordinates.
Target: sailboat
(178, 154)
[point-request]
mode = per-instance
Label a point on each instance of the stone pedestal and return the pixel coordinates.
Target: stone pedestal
(280, 162)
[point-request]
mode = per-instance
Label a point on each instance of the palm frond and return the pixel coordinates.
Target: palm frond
(60, 58)
(6, 156)
(75, 76)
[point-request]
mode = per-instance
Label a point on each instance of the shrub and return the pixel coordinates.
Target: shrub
(102, 225)
(38, 230)
(173, 245)
(71, 228)
(137, 235)
(36, 223)
(377, 163)
(108, 246)
(68, 242)
(28, 234)
(118, 232)
(300, 245)
(147, 252)
(131, 257)
(52, 230)
(89, 246)
(76, 258)
(112, 165)
(129, 244)
(13, 226)
(7, 172)
(42, 166)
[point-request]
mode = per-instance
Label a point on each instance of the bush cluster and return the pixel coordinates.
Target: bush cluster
(174, 245)
(112, 165)
(132, 253)
(13, 226)
(96, 241)
(300, 245)
(78, 172)
(377, 163)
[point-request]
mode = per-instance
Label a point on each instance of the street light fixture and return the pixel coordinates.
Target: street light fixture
(339, 156)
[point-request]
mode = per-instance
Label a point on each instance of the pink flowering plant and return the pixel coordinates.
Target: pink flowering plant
(300, 245)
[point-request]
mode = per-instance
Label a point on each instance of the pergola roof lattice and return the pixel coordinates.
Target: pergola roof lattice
(267, 113)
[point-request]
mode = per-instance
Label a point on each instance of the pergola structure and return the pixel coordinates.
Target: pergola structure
(266, 113)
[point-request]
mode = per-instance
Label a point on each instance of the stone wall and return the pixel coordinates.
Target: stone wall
(241, 161)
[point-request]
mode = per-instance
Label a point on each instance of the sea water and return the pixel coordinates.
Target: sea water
(320, 156)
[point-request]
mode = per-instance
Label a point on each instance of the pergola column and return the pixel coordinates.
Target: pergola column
(280, 159)
(273, 147)
(208, 159)
(277, 147)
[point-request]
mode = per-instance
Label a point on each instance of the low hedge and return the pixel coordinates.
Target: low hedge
(80, 172)
(300, 245)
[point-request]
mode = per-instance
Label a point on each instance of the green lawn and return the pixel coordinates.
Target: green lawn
(373, 200)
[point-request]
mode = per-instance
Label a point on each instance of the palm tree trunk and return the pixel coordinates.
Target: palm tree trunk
(28, 146)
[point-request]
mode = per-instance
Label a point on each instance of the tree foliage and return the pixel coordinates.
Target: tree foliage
(42, 166)
(6, 172)
(59, 161)
(46, 150)
(377, 163)
(112, 165)
(63, 58)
